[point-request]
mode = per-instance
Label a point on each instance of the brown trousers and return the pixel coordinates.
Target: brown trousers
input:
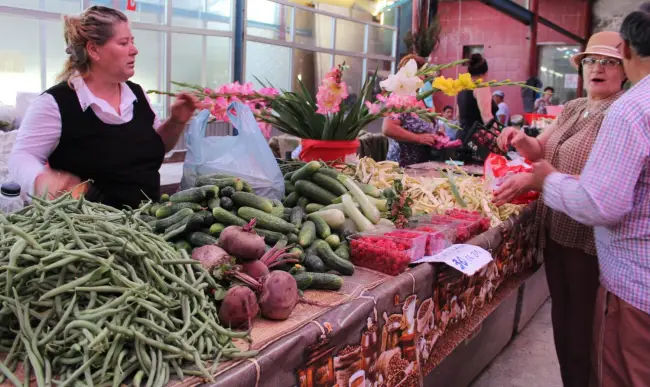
(621, 343)
(573, 282)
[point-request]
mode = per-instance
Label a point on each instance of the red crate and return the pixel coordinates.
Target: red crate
(389, 255)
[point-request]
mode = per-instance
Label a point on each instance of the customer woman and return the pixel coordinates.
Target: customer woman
(570, 253)
(475, 105)
(544, 101)
(96, 125)
(410, 138)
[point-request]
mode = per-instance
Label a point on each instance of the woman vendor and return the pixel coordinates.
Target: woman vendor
(475, 105)
(96, 125)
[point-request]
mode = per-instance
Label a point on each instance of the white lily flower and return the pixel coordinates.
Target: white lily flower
(405, 82)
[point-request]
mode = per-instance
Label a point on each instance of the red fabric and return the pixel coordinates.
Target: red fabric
(327, 150)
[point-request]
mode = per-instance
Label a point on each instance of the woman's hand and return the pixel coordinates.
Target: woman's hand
(56, 183)
(505, 138)
(183, 108)
(512, 187)
(427, 139)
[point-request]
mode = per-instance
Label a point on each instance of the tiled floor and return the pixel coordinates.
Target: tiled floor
(529, 360)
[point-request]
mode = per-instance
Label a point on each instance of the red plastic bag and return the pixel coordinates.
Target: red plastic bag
(497, 168)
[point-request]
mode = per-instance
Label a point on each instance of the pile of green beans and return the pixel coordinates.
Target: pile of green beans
(89, 296)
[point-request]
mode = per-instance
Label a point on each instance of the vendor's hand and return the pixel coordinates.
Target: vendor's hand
(506, 136)
(541, 170)
(57, 183)
(512, 187)
(183, 108)
(427, 139)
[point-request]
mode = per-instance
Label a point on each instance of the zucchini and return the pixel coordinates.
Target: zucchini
(370, 190)
(184, 245)
(211, 191)
(292, 199)
(245, 199)
(361, 222)
(314, 192)
(343, 251)
(307, 234)
(306, 171)
(171, 209)
(224, 216)
(330, 184)
(333, 240)
(330, 172)
(322, 228)
(303, 202)
(194, 195)
(334, 218)
(214, 203)
(227, 192)
(332, 260)
(270, 237)
(369, 209)
(313, 207)
(227, 204)
(325, 281)
(296, 216)
(216, 229)
(198, 239)
(347, 228)
(181, 215)
(303, 280)
(266, 221)
(314, 264)
(199, 220)
(164, 198)
(289, 187)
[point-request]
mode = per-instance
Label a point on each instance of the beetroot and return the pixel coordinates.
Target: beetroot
(279, 295)
(256, 269)
(239, 307)
(243, 242)
(211, 256)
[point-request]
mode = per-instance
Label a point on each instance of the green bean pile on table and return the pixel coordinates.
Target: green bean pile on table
(89, 296)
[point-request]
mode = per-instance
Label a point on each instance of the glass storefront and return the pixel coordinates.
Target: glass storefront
(556, 71)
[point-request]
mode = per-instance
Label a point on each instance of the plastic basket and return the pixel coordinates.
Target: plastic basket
(328, 151)
(369, 250)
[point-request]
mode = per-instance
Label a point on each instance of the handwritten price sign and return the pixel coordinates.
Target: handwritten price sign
(467, 259)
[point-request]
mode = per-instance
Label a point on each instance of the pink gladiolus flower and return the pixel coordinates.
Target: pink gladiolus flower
(373, 108)
(327, 103)
(269, 91)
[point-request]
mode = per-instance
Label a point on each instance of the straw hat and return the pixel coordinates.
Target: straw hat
(607, 43)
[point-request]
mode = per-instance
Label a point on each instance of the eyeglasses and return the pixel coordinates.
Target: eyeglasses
(606, 63)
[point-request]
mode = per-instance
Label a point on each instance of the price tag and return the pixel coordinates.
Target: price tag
(130, 5)
(467, 259)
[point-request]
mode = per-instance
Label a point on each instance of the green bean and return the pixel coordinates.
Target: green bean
(179, 281)
(13, 257)
(75, 283)
(80, 370)
(27, 369)
(157, 279)
(161, 346)
(156, 312)
(137, 379)
(152, 372)
(201, 367)
(81, 324)
(28, 238)
(151, 325)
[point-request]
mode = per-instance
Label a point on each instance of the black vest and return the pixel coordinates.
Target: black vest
(469, 112)
(123, 161)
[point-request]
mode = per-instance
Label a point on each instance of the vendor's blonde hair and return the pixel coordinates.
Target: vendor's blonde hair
(94, 25)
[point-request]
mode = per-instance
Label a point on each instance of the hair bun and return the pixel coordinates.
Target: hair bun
(476, 60)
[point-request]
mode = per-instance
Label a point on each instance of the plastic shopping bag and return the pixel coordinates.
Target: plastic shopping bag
(497, 168)
(245, 154)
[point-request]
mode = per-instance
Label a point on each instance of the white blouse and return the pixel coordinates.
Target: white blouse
(40, 130)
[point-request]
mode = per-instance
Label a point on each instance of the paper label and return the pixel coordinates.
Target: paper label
(468, 259)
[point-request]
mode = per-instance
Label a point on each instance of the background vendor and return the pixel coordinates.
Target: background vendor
(95, 125)
(475, 105)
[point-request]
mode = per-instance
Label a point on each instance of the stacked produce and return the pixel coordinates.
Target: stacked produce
(90, 296)
(436, 194)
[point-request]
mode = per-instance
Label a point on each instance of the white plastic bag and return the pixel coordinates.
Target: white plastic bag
(245, 155)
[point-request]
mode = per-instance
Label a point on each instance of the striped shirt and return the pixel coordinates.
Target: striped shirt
(613, 194)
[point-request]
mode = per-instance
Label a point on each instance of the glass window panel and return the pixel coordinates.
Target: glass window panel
(269, 63)
(555, 71)
(389, 17)
(218, 61)
(20, 66)
(310, 67)
(147, 11)
(380, 41)
(269, 20)
(213, 14)
(354, 74)
(313, 29)
(62, 6)
(349, 36)
(149, 65)
(187, 58)
(55, 56)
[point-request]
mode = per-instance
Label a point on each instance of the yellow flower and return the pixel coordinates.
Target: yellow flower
(446, 85)
(465, 80)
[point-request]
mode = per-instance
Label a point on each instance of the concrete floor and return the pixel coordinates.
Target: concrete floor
(529, 360)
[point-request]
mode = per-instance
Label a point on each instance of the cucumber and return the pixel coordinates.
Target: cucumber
(164, 198)
(227, 204)
(296, 216)
(181, 215)
(214, 203)
(245, 199)
(328, 183)
(288, 176)
(297, 269)
(313, 207)
(314, 264)
(211, 191)
(154, 208)
(266, 221)
(270, 237)
(227, 192)
(194, 195)
(236, 183)
(278, 211)
(334, 218)
(325, 281)
(169, 210)
(198, 239)
(332, 260)
(307, 234)
(312, 248)
(277, 203)
(216, 229)
(224, 216)
(303, 202)
(343, 251)
(314, 192)
(306, 171)
(330, 172)
(292, 199)
(247, 187)
(199, 220)
(298, 251)
(293, 238)
(322, 228)
(287, 211)
(303, 280)
(184, 245)
(219, 176)
(289, 187)
(333, 240)
(347, 228)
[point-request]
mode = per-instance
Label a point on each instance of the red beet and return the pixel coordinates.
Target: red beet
(211, 256)
(239, 307)
(243, 242)
(256, 269)
(279, 295)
